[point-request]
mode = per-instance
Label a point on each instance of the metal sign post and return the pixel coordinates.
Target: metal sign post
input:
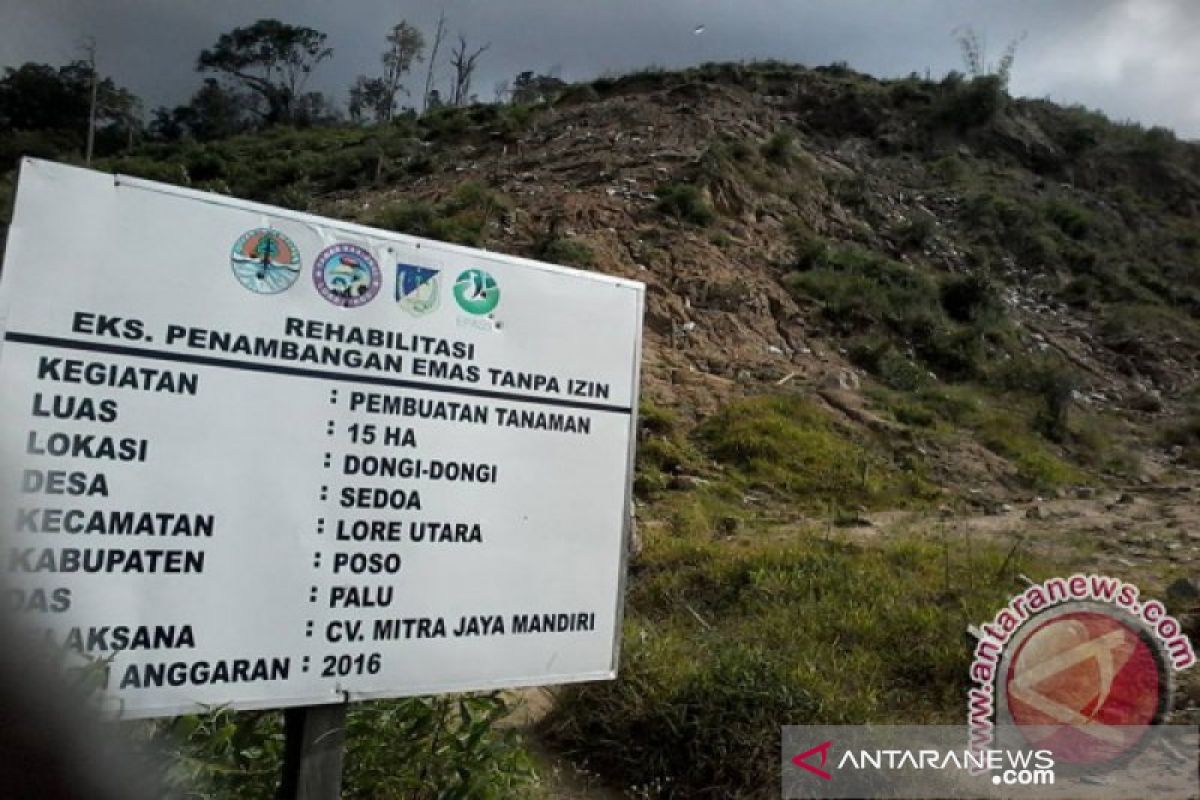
(314, 747)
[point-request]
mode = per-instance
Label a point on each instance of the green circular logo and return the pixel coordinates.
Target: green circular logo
(476, 292)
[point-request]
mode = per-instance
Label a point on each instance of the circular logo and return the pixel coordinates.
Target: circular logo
(476, 292)
(265, 261)
(347, 275)
(1084, 683)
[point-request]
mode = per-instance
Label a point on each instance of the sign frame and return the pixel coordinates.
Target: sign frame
(440, 249)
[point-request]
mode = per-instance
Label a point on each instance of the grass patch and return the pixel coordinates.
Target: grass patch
(727, 641)
(785, 445)
(1008, 434)
(663, 450)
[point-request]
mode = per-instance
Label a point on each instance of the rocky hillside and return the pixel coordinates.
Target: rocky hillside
(923, 316)
(995, 295)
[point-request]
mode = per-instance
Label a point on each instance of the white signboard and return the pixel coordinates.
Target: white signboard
(258, 458)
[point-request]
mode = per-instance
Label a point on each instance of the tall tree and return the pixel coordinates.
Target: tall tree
(270, 58)
(438, 36)
(39, 97)
(464, 69)
(530, 87)
(378, 95)
(214, 112)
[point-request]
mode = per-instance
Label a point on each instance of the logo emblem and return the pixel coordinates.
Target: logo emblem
(801, 760)
(1082, 683)
(265, 261)
(476, 292)
(347, 275)
(417, 289)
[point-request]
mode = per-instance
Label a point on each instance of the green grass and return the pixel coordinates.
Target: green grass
(726, 641)
(786, 446)
(1037, 465)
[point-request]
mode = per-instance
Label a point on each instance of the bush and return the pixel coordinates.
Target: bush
(1052, 382)
(684, 201)
(663, 450)
(419, 747)
(413, 217)
(1070, 218)
(969, 298)
(461, 218)
(780, 149)
(965, 104)
(893, 368)
(861, 291)
(569, 252)
(917, 230)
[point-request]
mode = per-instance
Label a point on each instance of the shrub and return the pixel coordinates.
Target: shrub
(969, 298)
(780, 149)
(950, 169)
(663, 450)
(570, 252)
(413, 217)
(395, 748)
(1052, 382)
(461, 218)
(684, 201)
(882, 360)
(1185, 434)
(811, 252)
(916, 230)
(1070, 218)
(862, 291)
(965, 104)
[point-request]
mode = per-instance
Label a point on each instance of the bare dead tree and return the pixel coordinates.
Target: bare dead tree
(501, 90)
(89, 49)
(464, 69)
(438, 36)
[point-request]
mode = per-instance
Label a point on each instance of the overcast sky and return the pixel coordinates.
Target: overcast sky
(1133, 59)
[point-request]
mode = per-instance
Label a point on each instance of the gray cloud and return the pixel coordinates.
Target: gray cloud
(1131, 58)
